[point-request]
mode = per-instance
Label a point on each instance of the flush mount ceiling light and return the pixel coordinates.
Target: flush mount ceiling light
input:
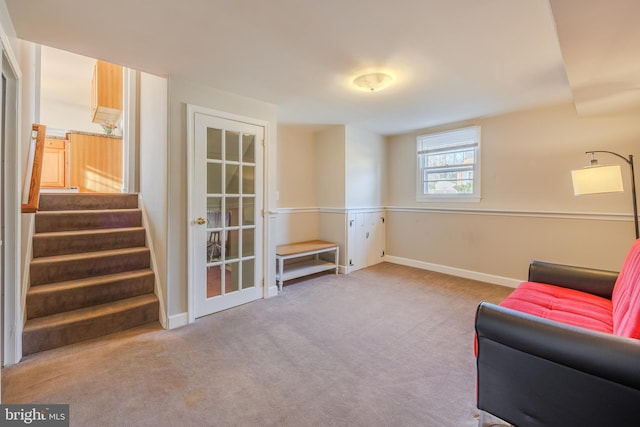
(372, 82)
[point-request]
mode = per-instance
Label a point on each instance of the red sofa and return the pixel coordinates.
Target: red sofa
(564, 348)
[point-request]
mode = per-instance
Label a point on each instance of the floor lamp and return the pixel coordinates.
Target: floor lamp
(597, 178)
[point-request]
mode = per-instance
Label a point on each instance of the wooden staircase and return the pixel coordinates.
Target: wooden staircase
(90, 275)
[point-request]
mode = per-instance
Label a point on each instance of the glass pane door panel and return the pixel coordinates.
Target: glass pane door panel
(248, 179)
(248, 247)
(233, 208)
(233, 244)
(214, 246)
(214, 281)
(214, 178)
(214, 144)
(214, 212)
(232, 179)
(232, 146)
(234, 277)
(248, 211)
(248, 273)
(248, 148)
(214, 203)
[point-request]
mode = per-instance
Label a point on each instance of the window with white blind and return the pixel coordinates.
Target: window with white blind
(449, 165)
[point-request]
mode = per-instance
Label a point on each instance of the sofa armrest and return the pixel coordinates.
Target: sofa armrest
(537, 372)
(590, 280)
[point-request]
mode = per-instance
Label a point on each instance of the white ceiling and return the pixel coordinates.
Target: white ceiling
(453, 59)
(600, 41)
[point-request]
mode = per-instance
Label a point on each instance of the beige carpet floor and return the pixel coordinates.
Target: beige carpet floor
(385, 346)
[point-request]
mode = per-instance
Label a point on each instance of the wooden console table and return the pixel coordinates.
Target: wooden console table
(303, 268)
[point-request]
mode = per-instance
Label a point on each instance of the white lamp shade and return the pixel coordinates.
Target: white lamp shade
(597, 179)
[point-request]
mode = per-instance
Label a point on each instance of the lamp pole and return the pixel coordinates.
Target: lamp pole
(629, 161)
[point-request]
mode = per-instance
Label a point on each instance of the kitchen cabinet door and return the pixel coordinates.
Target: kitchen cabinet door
(106, 93)
(54, 164)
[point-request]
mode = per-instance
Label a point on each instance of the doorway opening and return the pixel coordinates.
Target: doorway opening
(84, 103)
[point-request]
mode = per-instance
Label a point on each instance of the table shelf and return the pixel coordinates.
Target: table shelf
(303, 268)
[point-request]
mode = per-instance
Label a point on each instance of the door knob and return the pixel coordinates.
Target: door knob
(201, 220)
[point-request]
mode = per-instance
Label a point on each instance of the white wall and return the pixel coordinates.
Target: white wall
(153, 168)
(12, 64)
(29, 58)
(181, 93)
(7, 28)
(527, 210)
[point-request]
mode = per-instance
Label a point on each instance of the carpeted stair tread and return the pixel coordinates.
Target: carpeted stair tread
(87, 219)
(61, 329)
(86, 201)
(88, 255)
(88, 312)
(59, 268)
(74, 241)
(52, 298)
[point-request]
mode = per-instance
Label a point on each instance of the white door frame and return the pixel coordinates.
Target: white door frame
(191, 112)
(12, 310)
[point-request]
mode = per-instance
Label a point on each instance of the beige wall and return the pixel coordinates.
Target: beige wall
(181, 93)
(297, 226)
(322, 174)
(333, 167)
(502, 245)
(330, 167)
(527, 210)
(297, 167)
(365, 168)
(311, 180)
(297, 219)
(333, 228)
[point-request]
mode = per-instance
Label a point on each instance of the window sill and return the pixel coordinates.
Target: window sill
(448, 198)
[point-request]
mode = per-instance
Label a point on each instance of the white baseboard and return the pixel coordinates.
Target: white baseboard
(178, 320)
(467, 274)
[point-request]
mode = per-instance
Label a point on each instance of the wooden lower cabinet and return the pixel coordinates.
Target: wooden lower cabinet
(95, 163)
(55, 164)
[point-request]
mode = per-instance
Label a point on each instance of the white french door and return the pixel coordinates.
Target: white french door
(226, 203)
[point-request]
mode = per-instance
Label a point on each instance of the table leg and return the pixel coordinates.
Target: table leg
(281, 271)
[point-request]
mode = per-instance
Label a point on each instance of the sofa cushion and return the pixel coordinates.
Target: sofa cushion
(562, 305)
(626, 296)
